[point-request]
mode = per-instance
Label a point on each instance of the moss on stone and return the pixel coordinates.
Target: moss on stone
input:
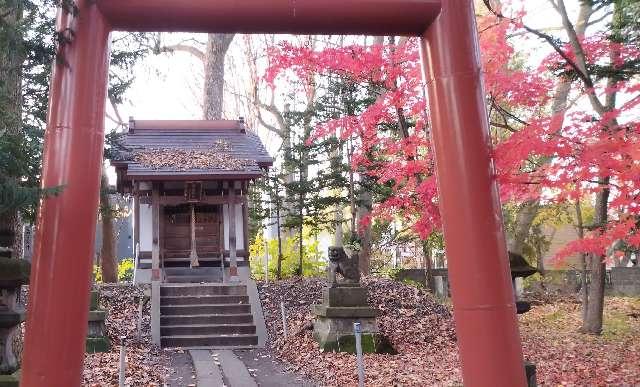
(97, 344)
(347, 343)
(12, 380)
(95, 296)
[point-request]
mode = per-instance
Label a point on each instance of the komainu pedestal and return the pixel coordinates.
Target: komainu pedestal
(97, 339)
(344, 302)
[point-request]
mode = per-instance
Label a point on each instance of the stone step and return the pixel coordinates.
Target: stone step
(208, 340)
(202, 290)
(198, 300)
(186, 330)
(175, 271)
(172, 310)
(193, 279)
(202, 319)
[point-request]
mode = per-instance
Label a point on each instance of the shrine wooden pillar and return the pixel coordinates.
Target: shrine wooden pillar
(245, 226)
(155, 233)
(136, 224)
(233, 259)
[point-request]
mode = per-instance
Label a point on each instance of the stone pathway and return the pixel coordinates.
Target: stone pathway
(239, 368)
(182, 372)
(208, 373)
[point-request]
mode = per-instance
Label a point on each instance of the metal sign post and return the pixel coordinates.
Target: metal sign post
(360, 361)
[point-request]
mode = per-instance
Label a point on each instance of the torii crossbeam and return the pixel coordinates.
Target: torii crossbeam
(483, 301)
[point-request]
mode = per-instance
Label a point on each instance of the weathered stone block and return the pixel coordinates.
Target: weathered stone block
(336, 334)
(14, 272)
(94, 299)
(626, 281)
(97, 344)
(345, 296)
(11, 318)
(353, 312)
(97, 340)
(97, 315)
(333, 324)
(12, 380)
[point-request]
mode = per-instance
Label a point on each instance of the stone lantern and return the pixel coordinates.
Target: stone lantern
(521, 269)
(13, 274)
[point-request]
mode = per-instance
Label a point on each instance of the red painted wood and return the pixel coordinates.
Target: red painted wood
(366, 17)
(483, 302)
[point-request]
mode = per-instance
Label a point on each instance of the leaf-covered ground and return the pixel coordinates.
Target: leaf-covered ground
(422, 331)
(147, 365)
(566, 357)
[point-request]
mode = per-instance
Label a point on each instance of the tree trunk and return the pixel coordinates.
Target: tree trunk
(108, 264)
(364, 207)
(540, 260)
(427, 265)
(584, 293)
(217, 46)
(593, 321)
(526, 214)
(338, 235)
(12, 56)
(278, 232)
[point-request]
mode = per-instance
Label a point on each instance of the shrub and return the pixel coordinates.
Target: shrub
(313, 264)
(125, 270)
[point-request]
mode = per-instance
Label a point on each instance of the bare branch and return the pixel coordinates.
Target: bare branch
(182, 48)
(579, 67)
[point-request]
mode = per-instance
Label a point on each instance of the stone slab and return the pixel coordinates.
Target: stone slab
(94, 299)
(257, 313)
(97, 344)
(343, 311)
(97, 315)
(343, 284)
(345, 296)
(155, 312)
(234, 370)
(12, 380)
(626, 281)
(207, 371)
(337, 335)
(11, 319)
(14, 272)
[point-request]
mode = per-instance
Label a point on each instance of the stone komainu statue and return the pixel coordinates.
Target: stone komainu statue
(339, 262)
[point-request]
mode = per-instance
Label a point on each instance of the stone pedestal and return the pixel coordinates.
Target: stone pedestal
(13, 274)
(342, 306)
(97, 340)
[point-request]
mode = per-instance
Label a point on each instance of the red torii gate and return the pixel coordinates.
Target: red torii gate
(483, 302)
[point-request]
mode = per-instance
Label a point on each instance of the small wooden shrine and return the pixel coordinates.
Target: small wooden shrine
(189, 182)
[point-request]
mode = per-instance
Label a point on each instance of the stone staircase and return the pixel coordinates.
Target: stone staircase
(206, 315)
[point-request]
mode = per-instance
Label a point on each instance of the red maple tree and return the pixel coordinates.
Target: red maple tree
(548, 157)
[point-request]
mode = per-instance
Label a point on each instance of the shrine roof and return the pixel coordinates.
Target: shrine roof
(189, 150)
